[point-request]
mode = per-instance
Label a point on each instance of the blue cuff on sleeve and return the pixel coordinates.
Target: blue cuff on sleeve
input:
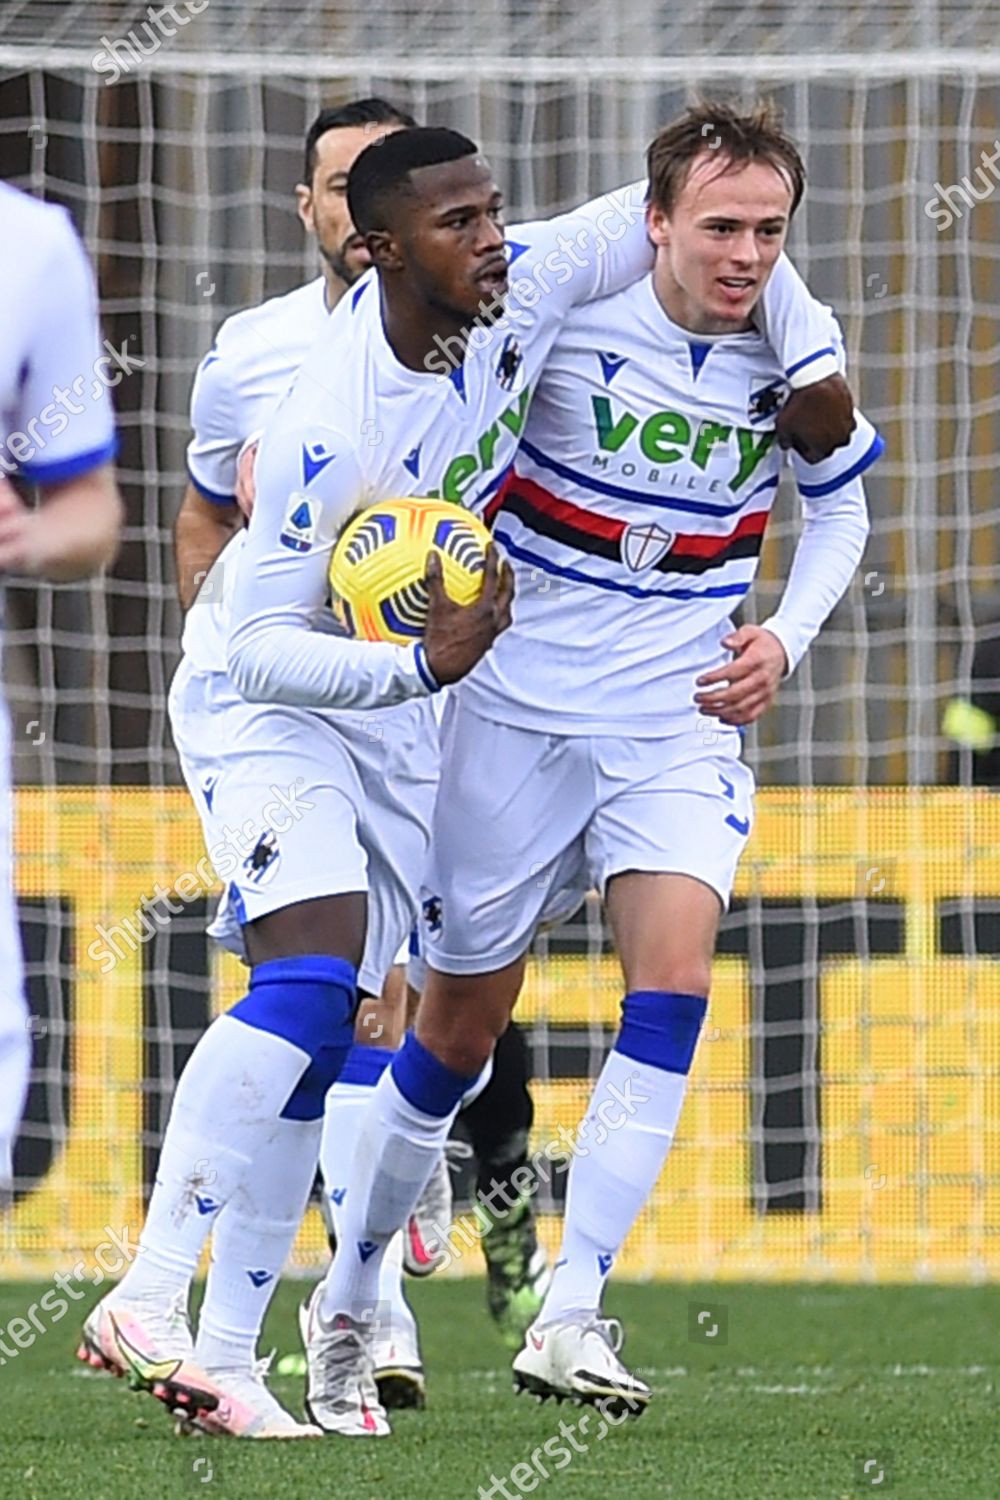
(213, 495)
(800, 364)
(426, 675)
(59, 471)
(871, 453)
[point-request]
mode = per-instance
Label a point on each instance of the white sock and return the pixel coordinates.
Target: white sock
(611, 1177)
(346, 1107)
(397, 1149)
(251, 1243)
(228, 1098)
(343, 1119)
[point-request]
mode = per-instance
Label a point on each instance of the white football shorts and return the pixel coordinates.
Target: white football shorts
(525, 822)
(297, 804)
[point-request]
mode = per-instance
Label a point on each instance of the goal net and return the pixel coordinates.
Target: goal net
(844, 1114)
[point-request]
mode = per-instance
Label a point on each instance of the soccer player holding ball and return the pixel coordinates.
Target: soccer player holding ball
(141, 1328)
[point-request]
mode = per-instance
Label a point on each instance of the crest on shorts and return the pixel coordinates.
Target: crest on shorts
(433, 915)
(645, 544)
(261, 863)
(767, 397)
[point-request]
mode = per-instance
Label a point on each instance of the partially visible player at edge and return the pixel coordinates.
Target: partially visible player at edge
(262, 348)
(432, 214)
(642, 486)
(50, 354)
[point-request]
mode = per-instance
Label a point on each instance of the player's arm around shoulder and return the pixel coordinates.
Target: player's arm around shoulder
(818, 417)
(592, 251)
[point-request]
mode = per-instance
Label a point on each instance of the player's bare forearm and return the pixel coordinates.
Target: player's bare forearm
(73, 533)
(744, 689)
(201, 531)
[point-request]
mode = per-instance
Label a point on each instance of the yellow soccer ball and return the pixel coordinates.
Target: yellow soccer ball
(378, 565)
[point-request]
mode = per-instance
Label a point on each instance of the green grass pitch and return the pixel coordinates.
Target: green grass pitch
(799, 1388)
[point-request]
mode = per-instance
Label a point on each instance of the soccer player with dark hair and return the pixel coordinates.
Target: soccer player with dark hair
(142, 1329)
(257, 352)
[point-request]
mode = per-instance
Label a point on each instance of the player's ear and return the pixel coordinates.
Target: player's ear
(657, 225)
(304, 204)
(385, 250)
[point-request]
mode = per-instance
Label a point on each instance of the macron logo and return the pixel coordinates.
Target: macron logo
(412, 461)
(366, 1249)
(205, 1205)
(612, 365)
(338, 1195)
(604, 1263)
(315, 457)
(260, 1278)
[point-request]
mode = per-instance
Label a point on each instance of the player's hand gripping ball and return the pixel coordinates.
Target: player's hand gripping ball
(378, 566)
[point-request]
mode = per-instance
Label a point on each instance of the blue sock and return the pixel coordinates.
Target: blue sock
(309, 1001)
(425, 1082)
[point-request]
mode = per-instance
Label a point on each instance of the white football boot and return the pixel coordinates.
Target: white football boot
(149, 1342)
(399, 1371)
(341, 1394)
(245, 1408)
(426, 1231)
(578, 1360)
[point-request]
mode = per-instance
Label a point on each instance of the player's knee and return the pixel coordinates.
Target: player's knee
(687, 976)
(463, 1040)
(465, 1052)
(307, 1000)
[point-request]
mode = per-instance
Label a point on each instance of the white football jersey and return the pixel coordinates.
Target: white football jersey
(635, 517)
(251, 365)
(56, 415)
(359, 427)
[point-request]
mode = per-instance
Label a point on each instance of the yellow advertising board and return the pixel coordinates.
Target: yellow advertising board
(900, 1138)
